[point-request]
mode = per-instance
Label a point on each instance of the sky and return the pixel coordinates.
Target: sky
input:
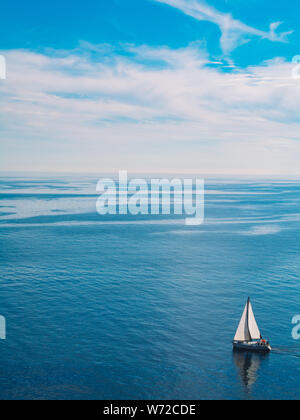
(175, 86)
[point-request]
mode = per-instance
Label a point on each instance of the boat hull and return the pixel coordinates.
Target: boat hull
(255, 347)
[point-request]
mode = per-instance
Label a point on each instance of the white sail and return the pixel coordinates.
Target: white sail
(242, 333)
(252, 325)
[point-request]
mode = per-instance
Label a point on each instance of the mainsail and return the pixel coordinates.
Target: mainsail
(252, 325)
(247, 329)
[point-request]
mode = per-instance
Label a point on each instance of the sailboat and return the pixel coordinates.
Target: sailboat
(248, 336)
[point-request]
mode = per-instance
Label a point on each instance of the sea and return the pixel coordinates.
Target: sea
(144, 306)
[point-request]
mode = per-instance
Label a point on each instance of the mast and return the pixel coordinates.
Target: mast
(247, 318)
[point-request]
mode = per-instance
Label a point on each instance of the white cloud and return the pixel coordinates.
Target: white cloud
(150, 109)
(234, 32)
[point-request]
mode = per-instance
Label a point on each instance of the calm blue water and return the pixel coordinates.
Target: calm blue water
(145, 307)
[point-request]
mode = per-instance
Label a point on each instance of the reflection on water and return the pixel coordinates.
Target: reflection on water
(248, 364)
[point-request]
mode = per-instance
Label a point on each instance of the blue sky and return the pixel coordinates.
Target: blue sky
(150, 85)
(62, 24)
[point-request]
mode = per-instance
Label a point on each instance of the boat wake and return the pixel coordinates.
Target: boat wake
(287, 351)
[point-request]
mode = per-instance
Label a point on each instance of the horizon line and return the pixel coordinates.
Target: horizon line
(147, 173)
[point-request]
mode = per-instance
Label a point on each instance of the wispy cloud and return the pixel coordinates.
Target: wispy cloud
(234, 32)
(146, 109)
